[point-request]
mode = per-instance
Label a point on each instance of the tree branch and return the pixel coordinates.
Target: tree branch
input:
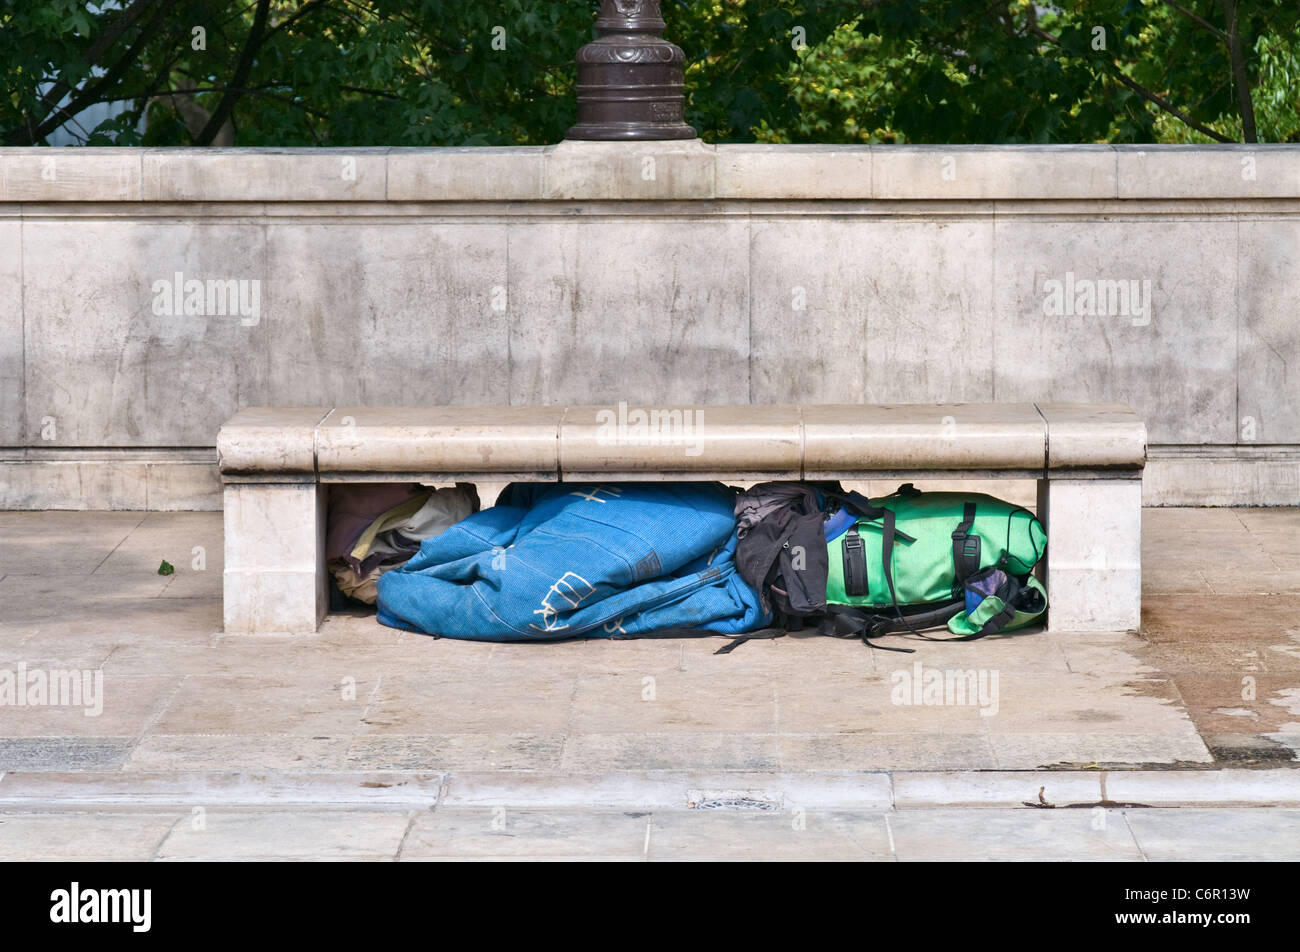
(244, 67)
(90, 92)
(111, 34)
(1153, 98)
(1198, 19)
(290, 21)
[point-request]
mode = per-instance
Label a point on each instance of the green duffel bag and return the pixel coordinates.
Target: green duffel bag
(904, 562)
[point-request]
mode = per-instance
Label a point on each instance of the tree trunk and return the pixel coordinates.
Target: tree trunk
(1239, 79)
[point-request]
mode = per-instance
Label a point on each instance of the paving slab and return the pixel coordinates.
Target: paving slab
(918, 750)
(78, 702)
(272, 702)
(526, 834)
(225, 788)
(1217, 836)
(190, 541)
(69, 613)
(1031, 751)
(201, 751)
(996, 788)
(94, 837)
(1017, 835)
(1166, 787)
(794, 835)
(667, 790)
(449, 702)
(673, 700)
(264, 834)
(478, 751)
(675, 751)
(61, 543)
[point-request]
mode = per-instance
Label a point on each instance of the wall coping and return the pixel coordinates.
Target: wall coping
(651, 171)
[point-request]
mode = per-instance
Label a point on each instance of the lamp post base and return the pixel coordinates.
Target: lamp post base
(630, 131)
(630, 79)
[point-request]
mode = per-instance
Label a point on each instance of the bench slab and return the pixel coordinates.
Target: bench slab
(777, 442)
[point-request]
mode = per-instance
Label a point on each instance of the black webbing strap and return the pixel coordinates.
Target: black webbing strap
(855, 563)
(887, 556)
(736, 640)
(1009, 593)
(930, 618)
(856, 502)
(841, 621)
(887, 552)
(965, 550)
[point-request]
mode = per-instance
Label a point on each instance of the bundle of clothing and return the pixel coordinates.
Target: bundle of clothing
(374, 528)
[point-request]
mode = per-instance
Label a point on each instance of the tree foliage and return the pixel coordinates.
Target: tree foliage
(497, 72)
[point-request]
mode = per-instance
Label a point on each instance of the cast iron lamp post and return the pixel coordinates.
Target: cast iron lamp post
(630, 80)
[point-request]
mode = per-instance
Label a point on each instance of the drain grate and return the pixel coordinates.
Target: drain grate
(737, 801)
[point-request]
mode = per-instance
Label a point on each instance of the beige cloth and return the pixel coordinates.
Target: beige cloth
(364, 588)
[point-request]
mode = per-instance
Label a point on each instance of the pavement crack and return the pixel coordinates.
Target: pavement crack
(157, 714)
(410, 824)
(126, 535)
(1133, 835)
(153, 855)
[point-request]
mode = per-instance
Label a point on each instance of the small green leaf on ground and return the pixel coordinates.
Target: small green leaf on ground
(166, 568)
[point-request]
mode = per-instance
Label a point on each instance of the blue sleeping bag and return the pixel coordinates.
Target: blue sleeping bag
(555, 561)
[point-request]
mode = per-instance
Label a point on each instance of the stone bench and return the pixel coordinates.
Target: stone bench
(277, 465)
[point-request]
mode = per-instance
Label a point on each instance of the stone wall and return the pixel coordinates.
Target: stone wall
(657, 274)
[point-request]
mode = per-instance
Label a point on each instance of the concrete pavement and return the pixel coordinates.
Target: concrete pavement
(567, 740)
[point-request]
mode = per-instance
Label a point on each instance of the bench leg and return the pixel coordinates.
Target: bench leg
(1094, 553)
(275, 558)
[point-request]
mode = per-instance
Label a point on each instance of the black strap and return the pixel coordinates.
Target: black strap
(736, 640)
(840, 621)
(1010, 594)
(856, 502)
(843, 621)
(965, 550)
(887, 556)
(855, 563)
(887, 552)
(1009, 591)
(930, 618)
